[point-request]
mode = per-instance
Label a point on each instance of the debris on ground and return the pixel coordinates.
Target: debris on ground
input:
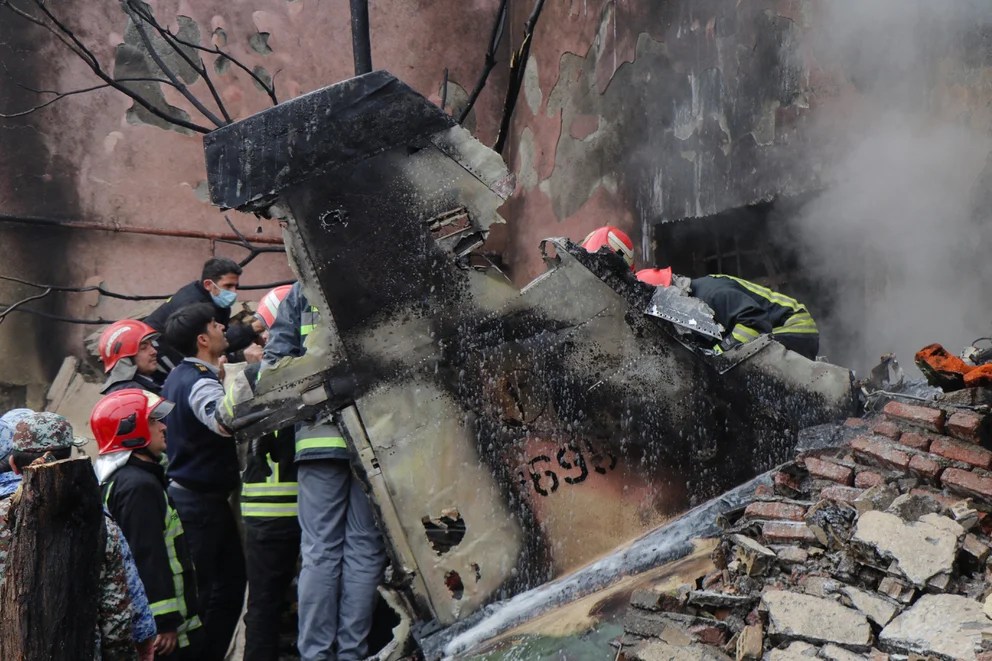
(873, 544)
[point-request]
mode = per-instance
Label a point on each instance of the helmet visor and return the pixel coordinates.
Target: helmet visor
(162, 409)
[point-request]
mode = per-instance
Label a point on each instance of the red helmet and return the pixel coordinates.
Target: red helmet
(122, 339)
(656, 277)
(269, 304)
(120, 420)
(613, 238)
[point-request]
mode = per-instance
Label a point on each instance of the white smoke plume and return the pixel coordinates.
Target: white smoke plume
(895, 241)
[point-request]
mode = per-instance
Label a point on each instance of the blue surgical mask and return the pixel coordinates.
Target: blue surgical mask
(225, 298)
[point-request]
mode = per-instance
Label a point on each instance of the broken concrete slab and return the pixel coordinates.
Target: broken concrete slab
(836, 653)
(910, 507)
(923, 549)
(940, 624)
(658, 651)
(878, 609)
(804, 617)
(797, 651)
(750, 642)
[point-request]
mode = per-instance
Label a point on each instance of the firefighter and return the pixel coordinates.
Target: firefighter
(218, 287)
(269, 512)
(612, 238)
(343, 552)
(204, 472)
(130, 432)
(129, 356)
(747, 310)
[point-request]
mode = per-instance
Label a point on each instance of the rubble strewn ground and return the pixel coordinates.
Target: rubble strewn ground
(875, 548)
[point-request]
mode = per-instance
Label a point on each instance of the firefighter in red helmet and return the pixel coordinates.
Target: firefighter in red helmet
(612, 238)
(747, 310)
(130, 433)
(129, 356)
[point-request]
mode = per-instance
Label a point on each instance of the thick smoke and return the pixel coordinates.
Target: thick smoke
(898, 242)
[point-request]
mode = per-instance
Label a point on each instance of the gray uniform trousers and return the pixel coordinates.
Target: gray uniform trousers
(343, 562)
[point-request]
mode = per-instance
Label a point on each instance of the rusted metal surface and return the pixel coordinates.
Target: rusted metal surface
(559, 421)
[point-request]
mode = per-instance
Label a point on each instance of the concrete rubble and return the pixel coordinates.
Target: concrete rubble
(872, 545)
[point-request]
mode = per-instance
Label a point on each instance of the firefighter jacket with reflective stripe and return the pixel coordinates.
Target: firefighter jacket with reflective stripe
(296, 319)
(269, 489)
(747, 310)
(199, 458)
(137, 498)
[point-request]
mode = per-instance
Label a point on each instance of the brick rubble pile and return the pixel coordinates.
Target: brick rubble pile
(878, 548)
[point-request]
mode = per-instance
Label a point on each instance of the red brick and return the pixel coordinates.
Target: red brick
(841, 494)
(763, 491)
(968, 453)
(965, 425)
(939, 496)
(787, 532)
(967, 483)
(779, 511)
(916, 440)
(925, 466)
(856, 423)
(888, 429)
(828, 470)
(868, 479)
(786, 484)
(709, 634)
(918, 416)
(884, 452)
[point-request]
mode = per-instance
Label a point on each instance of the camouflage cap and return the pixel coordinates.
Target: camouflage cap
(41, 432)
(7, 423)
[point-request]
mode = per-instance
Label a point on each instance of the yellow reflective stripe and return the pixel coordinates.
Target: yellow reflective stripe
(173, 529)
(264, 489)
(189, 625)
(768, 294)
(164, 606)
(268, 509)
(320, 442)
(306, 330)
(798, 330)
(229, 403)
(744, 334)
(801, 322)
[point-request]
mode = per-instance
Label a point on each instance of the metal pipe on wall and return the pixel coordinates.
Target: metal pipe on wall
(130, 229)
(361, 40)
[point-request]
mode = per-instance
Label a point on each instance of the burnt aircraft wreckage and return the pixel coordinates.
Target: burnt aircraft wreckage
(508, 437)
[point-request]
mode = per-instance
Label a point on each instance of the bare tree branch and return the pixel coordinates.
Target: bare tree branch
(253, 250)
(169, 73)
(494, 39)
(197, 65)
(61, 95)
(518, 63)
(269, 89)
(73, 43)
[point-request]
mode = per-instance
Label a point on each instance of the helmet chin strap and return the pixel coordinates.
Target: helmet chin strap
(146, 452)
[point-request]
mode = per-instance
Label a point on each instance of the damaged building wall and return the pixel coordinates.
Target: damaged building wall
(640, 112)
(100, 159)
(872, 119)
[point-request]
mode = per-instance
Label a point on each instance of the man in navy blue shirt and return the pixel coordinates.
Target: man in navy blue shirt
(203, 470)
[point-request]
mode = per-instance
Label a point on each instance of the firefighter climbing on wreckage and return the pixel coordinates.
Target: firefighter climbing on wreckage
(746, 310)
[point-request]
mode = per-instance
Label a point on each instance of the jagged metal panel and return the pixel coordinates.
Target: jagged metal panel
(558, 422)
(686, 312)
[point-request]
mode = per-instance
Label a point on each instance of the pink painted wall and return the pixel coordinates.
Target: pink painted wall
(81, 159)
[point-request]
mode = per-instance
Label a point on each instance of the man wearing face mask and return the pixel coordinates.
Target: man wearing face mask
(218, 285)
